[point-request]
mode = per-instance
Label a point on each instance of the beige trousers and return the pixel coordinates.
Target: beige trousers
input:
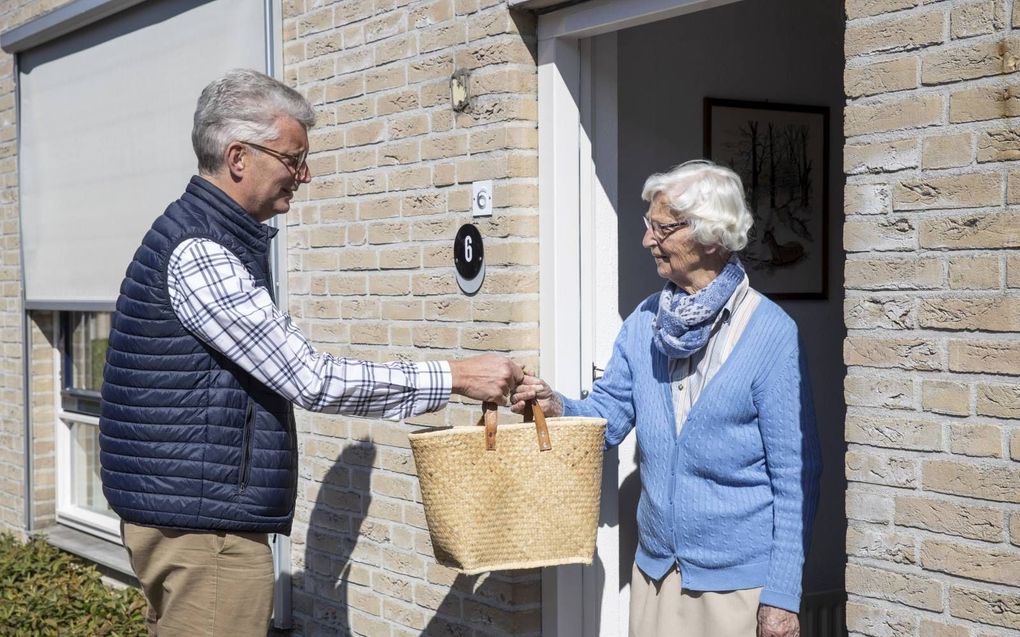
(202, 583)
(664, 609)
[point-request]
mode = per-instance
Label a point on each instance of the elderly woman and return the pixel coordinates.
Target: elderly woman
(712, 376)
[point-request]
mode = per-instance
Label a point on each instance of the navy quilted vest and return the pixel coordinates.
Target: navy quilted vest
(189, 439)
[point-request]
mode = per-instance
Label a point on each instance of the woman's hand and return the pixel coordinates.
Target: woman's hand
(534, 388)
(776, 622)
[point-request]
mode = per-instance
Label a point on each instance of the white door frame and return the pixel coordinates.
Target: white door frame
(577, 186)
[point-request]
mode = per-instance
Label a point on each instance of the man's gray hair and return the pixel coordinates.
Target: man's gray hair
(242, 105)
(710, 196)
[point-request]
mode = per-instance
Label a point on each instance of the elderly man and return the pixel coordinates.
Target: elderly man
(197, 435)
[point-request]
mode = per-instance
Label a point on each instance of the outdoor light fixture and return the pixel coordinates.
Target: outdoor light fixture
(460, 91)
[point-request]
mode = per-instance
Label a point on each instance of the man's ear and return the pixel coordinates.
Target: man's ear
(236, 160)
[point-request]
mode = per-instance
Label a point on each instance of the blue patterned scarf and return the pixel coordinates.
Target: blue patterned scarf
(683, 324)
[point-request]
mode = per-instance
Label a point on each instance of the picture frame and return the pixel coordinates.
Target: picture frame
(781, 152)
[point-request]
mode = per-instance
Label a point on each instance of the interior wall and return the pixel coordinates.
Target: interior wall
(787, 51)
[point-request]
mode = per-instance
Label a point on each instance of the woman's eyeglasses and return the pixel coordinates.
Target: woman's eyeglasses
(662, 230)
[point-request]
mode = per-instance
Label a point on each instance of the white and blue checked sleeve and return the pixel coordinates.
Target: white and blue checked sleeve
(215, 297)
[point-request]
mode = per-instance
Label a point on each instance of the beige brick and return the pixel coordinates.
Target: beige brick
(1014, 445)
(436, 66)
(951, 518)
(1013, 271)
(410, 178)
(1013, 188)
(1014, 528)
(984, 230)
(902, 353)
(429, 13)
(986, 357)
(999, 145)
(894, 34)
(509, 51)
(878, 235)
(379, 208)
(987, 607)
(402, 310)
(971, 62)
(502, 339)
(976, 440)
(974, 272)
(903, 588)
(408, 125)
(386, 77)
(396, 153)
(448, 309)
(977, 18)
(998, 400)
(995, 314)
(867, 199)
(871, 390)
(864, 8)
(937, 629)
(868, 543)
(885, 312)
(400, 258)
(396, 48)
(396, 102)
(442, 36)
(956, 191)
(888, 115)
(879, 622)
(983, 481)
(881, 77)
(987, 102)
(944, 397)
(947, 151)
(893, 433)
(505, 311)
(894, 274)
(368, 133)
(873, 468)
(884, 156)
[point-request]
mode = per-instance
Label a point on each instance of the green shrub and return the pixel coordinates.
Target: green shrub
(44, 591)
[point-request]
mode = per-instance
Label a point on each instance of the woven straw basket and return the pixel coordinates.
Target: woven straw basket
(521, 499)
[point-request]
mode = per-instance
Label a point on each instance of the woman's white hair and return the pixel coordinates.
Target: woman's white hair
(242, 105)
(710, 196)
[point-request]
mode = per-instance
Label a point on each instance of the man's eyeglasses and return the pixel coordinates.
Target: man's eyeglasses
(662, 230)
(296, 164)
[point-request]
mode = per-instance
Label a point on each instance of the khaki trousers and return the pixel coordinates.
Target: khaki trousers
(664, 609)
(202, 583)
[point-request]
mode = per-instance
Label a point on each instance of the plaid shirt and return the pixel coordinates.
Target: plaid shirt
(215, 298)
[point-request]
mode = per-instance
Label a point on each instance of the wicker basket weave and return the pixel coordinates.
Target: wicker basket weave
(514, 506)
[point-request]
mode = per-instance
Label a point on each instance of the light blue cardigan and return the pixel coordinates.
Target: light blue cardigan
(732, 498)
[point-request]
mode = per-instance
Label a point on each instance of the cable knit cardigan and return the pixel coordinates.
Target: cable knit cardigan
(731, 499)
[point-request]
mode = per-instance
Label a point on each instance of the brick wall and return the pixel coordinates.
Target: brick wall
(933, 311)
(371, 253)
(45, 394)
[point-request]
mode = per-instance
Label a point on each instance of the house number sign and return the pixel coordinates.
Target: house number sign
(469, 258)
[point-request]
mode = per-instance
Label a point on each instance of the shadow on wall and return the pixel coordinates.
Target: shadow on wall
(342, 555)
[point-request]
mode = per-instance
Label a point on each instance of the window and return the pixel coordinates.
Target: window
(80, 500)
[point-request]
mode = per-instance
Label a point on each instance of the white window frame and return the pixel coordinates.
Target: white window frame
(68, 513)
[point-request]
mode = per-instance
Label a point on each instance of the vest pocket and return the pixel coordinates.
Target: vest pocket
(244, 471)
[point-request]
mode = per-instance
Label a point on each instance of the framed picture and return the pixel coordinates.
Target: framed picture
(781, 153)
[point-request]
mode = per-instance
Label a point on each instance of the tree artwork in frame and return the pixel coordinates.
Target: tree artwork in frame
(781, 153)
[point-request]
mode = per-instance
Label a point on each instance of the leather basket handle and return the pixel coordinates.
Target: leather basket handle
(489, 419)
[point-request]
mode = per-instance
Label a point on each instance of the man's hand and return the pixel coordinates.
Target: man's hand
(488, 377)
(533, 388)
(776, 622)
